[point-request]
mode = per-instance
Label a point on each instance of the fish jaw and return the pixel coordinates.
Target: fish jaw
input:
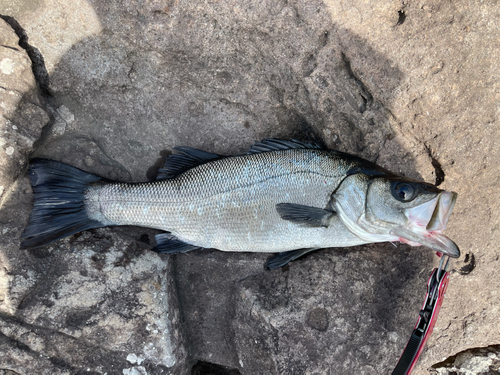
(426, 223)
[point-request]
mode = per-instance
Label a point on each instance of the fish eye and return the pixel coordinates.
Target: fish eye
(403, 191)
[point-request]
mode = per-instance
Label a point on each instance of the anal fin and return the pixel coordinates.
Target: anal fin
(279, 260)
(167, 243)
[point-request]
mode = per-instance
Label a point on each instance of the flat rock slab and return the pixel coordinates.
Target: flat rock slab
(330, 313)
(413, 87)
(99, 302)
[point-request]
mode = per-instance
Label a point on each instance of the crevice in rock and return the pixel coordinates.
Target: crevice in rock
(242, 107)
(48, 102)
(481, 351)
(323, 39)
(401, 17)
(17, 344)
(309, 66)
(470, 264)
(438, 169)
(8, 372)
(207, 368)
(60, 347)
(182, 311)
(61, 364)
(310, 63)
(365, 95)
(37, 60)
(9, 47)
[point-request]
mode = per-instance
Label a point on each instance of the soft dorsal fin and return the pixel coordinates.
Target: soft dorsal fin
(271, 144)
(188, 158)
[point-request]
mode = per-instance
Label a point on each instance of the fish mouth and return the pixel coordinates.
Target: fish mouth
(426, 223)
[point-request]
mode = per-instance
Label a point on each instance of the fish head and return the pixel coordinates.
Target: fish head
(393, 208)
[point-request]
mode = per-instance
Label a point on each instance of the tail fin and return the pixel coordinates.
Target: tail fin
(59, 203)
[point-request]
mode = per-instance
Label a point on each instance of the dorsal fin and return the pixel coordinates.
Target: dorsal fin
(271, 144)
(188, 158)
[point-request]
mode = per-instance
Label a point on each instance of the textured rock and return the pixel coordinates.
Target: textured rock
(332, 312)
(471, 362)
(207, 282)
(21, 114)
(100, 301)
(413, 86)
(53, 26)
(106, 304)
(157, 86)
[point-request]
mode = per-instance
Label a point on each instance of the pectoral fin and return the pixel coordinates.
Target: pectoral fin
(167, 243)
(306, 215)
(279, 260)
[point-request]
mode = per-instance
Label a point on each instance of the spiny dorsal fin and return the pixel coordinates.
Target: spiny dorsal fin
(271, 144)
(189, 157)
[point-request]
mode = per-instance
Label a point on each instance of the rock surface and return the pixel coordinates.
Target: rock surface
(100, 302)
(329, 314)
(22, 114)
(471, 362)
(411, 85)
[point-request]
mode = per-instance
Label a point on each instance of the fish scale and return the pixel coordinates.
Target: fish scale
(230, 203)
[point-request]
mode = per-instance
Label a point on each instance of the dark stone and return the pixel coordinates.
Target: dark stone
(207, 368)
(318, 319)
(470, 264)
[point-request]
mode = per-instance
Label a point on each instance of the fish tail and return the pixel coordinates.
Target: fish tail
(58, 203)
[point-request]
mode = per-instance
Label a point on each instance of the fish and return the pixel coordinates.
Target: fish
(282, 196)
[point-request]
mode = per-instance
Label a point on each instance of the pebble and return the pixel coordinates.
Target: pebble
(7, 66)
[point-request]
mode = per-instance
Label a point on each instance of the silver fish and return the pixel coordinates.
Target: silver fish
(288, 197)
